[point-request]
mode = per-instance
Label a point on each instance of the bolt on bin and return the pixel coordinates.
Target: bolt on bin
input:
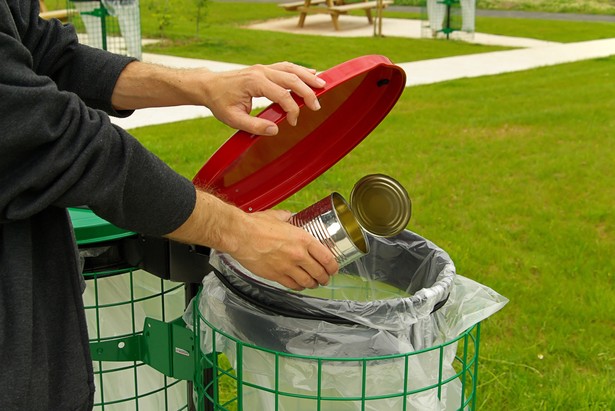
(383, 335)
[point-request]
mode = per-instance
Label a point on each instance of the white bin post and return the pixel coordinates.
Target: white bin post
(440, 22)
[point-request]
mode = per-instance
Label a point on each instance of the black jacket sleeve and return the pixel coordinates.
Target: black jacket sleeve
(56, 149)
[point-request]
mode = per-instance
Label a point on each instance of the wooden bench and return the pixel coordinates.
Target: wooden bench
(332, 8)
(61, 14)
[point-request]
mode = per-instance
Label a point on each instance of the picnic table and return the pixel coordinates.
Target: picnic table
(334, 8)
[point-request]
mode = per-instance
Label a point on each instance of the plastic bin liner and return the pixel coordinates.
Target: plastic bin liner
(417, 273)
(377, 328)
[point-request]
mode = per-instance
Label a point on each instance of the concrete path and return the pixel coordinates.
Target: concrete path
(531, 54)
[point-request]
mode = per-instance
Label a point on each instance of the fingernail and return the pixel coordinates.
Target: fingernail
(317, 105)
(271, 131)
(320, 82)
(292, 121)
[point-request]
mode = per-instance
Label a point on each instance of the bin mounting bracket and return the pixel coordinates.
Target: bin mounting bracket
(166, 347)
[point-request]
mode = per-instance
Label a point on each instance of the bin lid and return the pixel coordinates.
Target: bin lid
(90, 228)
(257, 172)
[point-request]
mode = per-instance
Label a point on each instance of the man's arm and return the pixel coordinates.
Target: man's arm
(228, 94)
(264, 243)
(55, 151)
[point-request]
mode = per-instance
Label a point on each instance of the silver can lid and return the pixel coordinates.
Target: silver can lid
(381, 205)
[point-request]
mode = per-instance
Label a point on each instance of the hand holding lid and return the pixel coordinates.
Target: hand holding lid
(229, 94)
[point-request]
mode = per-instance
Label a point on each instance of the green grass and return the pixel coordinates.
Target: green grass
(513, 176)
(225, 39)
(224, 36)
(551, 30)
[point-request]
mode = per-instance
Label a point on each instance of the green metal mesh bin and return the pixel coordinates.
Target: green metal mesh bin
(112, 25)
(226, 354)
(117, 300)
(266, 379)
(396, 330)
(450, 19)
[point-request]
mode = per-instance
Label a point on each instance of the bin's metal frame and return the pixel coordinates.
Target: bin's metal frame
(174, 350)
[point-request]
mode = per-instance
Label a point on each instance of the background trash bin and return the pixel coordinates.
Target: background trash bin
(117, 299)
(454, 19)
(113, 25)
(398, 315)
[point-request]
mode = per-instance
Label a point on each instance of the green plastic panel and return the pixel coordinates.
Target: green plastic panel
(90, 228)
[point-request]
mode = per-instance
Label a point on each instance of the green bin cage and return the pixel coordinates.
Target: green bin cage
(264, 379)
(242, 377)
(450, 19)
(117, 299)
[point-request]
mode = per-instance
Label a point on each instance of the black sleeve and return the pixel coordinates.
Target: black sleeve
(57, 151)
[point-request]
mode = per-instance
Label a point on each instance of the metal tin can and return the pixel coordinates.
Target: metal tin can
(381, 205)
(332, 222)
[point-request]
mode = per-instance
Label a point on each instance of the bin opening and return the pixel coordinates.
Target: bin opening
(402, 279)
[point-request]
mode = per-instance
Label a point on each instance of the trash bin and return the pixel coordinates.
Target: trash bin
(117, 299)
(383, 335)
(113, 25)
(450, 19)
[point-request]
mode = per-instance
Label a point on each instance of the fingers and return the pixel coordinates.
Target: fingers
(325, 259)
(288, 282)
(315, 266)
(229, 95)
(282, 252)
(279, 82)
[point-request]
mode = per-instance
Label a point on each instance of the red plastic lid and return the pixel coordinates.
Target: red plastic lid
(257, 172)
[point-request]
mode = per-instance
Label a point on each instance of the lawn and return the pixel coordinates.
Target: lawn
(224, 37)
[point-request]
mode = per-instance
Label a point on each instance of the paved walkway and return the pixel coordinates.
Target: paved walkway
(530, 54)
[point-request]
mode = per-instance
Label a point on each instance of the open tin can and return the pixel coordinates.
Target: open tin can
(379, 205)
(332, 222)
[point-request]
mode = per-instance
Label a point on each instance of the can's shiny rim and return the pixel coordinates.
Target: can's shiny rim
(349, 223)
(381, 205)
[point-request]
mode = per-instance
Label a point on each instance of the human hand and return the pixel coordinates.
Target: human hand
(264, 242)
(229, 94)
(279, 251)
